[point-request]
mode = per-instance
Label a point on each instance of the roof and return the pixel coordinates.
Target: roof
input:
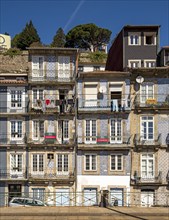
(101, 74)
(141, 26)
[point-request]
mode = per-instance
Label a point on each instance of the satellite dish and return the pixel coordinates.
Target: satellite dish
(102, 89)
(139, 79)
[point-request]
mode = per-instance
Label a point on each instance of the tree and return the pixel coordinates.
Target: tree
(59, 39)
(87, 36)
(26, 37)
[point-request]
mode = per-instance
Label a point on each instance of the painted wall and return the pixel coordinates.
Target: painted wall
(3, 98)
(3, 130)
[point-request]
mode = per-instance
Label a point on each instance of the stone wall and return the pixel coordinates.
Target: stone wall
(15, 64)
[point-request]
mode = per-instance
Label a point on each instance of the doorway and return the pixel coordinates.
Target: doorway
(14, 190)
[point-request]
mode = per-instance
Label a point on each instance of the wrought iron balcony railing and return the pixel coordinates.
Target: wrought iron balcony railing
(51, 174)
(15, 173)
(49, 138)
(51, 76)
(149, 178)
(150, 139)
(153, 101)
(113, 105)
(105, 140)
(13, 107)
(13, 138)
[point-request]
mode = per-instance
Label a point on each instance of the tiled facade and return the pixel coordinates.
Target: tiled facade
(66, 130)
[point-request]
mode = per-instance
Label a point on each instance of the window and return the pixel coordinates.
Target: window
(38, 129)
(147, 166)
(91, 131)
(90, 162)
(37, 66)
(66, 130)
(38, 162)
(147, 92)
(80, 68)
(16, 98)
(16, 130)
(116, 130)
(62, 163)
(63, 67)
(134, 63)
(149, 40)
(95, 68)
(38, 97)
(38, 193)
(147, 128)
(149, 63)
(16, 163)
(134, 39)
(116, 162)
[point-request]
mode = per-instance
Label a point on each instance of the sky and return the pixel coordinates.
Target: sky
(48, 15)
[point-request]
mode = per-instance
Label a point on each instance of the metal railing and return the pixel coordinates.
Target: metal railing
(14, 107)
(147, 139)
(105, 140)
(102, 198)
(51, 76)
(155, 101)
(113, 105)
(13, 138)
(144, 179)
(15, 173)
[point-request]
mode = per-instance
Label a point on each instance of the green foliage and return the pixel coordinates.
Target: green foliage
(13, 52)
(97, 56)
(59, 39)
(87, 36)
(26, 37)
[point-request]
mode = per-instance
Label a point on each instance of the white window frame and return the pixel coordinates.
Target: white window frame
(65, 130)
(117, 139)
(147, 165)
(116, 162)
(38, 171)
(149, 35)
(16, 158)
(38, 130)
(147, 120)
(63, 67)
(37, 67)
(90, 139)
(147, 95)
(90, 162)
(63, 165)
(34, 101)
(16, 129)
(134, 61)
(149, 61)
(134, 41)
(38, 193)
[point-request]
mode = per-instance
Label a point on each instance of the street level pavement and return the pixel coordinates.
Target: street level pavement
(83, 213)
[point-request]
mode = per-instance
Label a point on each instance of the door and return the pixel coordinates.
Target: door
(90, 197)
(16, 170)
(62, 197)
(63, 68)
(116, 197)
(147, 198)
(14, 190)
(116, 131)
(90, 96)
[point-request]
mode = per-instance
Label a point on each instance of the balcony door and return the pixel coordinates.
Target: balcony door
(16, 130)
(115, 97)
(63, 68)
(91, 131)
(147, 128)
(116, 130)
(147, 167)
(37, 67)
(16, 169)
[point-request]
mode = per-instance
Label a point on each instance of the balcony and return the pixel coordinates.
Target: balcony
(157, 102)
(12, 139)
(104, 142)
(49, 106)
(51, 175)
(13, 174)
(13, 107)
(104, 105)
(51, 76)
(147, 140)
(147, 180)
(50, 139)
